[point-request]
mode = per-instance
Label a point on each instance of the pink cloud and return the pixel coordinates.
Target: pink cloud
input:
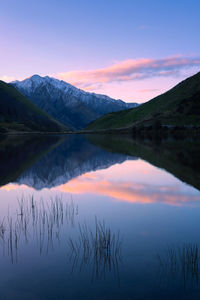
(128, 70)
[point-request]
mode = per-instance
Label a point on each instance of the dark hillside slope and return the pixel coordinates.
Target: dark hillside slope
(17, 113)
(180, 106)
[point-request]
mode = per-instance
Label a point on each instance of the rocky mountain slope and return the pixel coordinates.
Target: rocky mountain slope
(69, 105)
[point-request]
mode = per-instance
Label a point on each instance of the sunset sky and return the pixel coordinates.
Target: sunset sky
(127, 49)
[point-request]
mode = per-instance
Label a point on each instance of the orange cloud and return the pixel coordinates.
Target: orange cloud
(132, 69)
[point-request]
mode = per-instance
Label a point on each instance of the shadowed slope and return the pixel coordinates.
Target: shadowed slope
(17, 113)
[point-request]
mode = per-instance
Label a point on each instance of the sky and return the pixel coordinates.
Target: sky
(132, 50)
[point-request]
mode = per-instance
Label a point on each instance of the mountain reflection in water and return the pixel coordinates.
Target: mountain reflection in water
(51, 161)
(94, 217)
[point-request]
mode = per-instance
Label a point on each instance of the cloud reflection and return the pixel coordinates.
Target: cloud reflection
(9, 187)
(129, 191)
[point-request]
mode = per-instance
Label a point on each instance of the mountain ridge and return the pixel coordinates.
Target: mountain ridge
(69, 105)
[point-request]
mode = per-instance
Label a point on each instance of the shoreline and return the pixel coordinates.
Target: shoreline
(135, 131)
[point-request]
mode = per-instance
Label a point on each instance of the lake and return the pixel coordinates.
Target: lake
(99, 217)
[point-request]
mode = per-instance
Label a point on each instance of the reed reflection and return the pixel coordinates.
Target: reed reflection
(180, 266)
(97, 249)
(36, 221)
(43, 226)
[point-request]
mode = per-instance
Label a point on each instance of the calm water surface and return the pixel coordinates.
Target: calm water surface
(99, 218)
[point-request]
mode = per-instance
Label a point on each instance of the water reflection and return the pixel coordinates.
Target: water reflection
(73, 156)
(72, 164)
(40, 222)
(109, 177)
(129, 190)
(97, 249)
(18, 154)
(179, 157)
(180, 265)
(64, 158)
(54, 160)
(43, 224)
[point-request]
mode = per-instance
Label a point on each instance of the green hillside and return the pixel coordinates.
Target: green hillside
(179, 106)
(18, 114)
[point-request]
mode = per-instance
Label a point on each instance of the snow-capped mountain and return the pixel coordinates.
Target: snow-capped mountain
(69, 105)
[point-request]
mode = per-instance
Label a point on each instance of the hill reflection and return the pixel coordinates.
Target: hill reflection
(50, 161)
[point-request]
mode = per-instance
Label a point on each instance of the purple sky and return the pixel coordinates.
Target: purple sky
(128, 49)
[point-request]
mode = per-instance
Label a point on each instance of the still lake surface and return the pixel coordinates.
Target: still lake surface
(99, 217)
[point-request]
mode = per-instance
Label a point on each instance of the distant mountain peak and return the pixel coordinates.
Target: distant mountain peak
(35, 81)
(66, 103)
(35, 76)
